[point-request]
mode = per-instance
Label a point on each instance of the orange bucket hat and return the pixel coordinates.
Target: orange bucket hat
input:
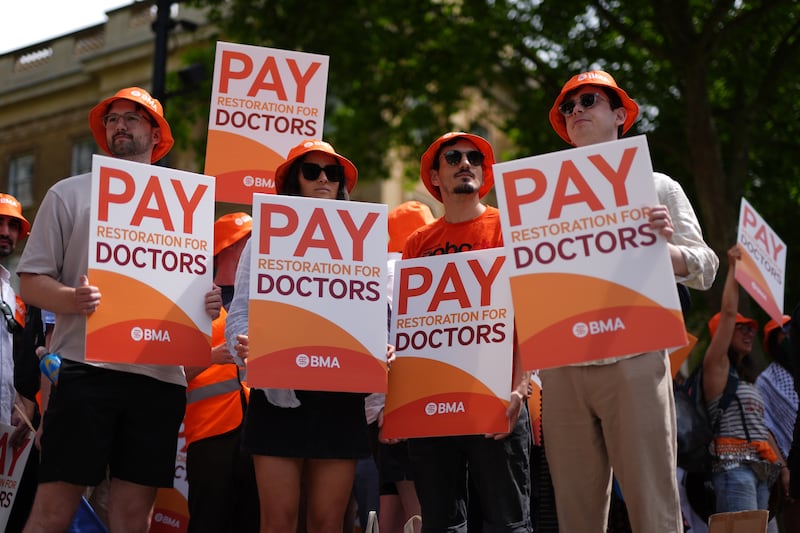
(137, 96)
(713, 324)
(315, 145)
(771, 326)
(230, 228)
(10, 207)
(404, 220)
(426, 163)
(600, 79)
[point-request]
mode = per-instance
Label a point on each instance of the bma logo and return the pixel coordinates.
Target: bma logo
(317, 361)
(255, 181)
(147, 334)
(596, 327)
(161, 518)
(444, 408)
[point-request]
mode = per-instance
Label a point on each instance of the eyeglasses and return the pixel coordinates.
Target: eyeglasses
(454, 157)
(11, 323)
(131, 119)
(745, 328)
(311, 171)
(587, 100)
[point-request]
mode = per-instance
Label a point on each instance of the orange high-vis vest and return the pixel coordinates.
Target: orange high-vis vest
(214, 397)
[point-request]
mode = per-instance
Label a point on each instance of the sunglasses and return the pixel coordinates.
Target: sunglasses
(744, 328)
(311, 171)
(11, 323)
(454, 157)
(587, 101)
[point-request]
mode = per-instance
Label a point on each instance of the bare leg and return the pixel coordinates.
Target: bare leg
(53, 507)
(130, 506)
(278, 480)
(329, 486)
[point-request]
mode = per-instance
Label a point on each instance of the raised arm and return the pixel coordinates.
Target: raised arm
(716, 365)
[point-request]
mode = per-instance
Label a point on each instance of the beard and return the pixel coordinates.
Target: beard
(464, 188)
(6, 247)
(126, 146)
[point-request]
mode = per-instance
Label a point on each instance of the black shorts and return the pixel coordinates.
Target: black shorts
(327, 425)
(98, 417)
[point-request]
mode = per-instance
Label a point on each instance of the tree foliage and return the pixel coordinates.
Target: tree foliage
(717, 81)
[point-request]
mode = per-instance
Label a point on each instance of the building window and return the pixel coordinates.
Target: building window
(82, 152)
(20, 179)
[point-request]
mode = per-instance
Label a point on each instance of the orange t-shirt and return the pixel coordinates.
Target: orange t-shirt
(440, 237)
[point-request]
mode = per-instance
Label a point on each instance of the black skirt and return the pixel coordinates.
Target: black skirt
(327, 425)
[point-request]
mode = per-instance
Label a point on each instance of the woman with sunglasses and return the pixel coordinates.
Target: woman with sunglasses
(301, 439)
(745, 464)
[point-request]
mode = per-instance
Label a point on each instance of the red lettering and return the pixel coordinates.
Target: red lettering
(616, 177)
(569, 173)
(515, 199)
(301, 78)
(357, 234)
(106, 197)
(318, 221)
(153, 191)
(407, 291)
(227, 72)
(269, 230)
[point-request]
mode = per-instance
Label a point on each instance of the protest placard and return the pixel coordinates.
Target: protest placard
(171, 508)
(12, 463)
(151, 252)
(589, 278)
(453, 329)
(264, 101)
(762, 269)
(318, 310)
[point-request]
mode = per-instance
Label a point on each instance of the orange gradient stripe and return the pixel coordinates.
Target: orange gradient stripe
(231, 157)
(415, 382)
(288, 330)
(545, 331)
(748, 274)
(127, 303)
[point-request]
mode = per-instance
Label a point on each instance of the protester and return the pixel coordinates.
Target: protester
(619, 413)
(398, 496)
(777, 387)
(17, 405)
(457, 170)
(121, 416)
(308, 439)
(746, 463)
(13, 226)
(222, 486)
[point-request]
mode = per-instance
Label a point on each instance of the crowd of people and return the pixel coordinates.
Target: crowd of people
(280, 460)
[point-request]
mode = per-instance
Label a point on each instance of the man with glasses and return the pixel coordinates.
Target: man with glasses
(124, 417)
(457, 170)
(618, 414)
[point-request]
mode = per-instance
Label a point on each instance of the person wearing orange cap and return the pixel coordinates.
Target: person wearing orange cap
(746, 462)
(13, 226)
(398, 501)
(617, 415)
(778, 389)
(222, 485)
(301, 439)
(457, 170)
(120, 418)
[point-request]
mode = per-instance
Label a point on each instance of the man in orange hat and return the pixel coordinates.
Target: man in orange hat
(120, 417)
(13, 226)
(457, 170)
(618, 414)
(222, 483)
